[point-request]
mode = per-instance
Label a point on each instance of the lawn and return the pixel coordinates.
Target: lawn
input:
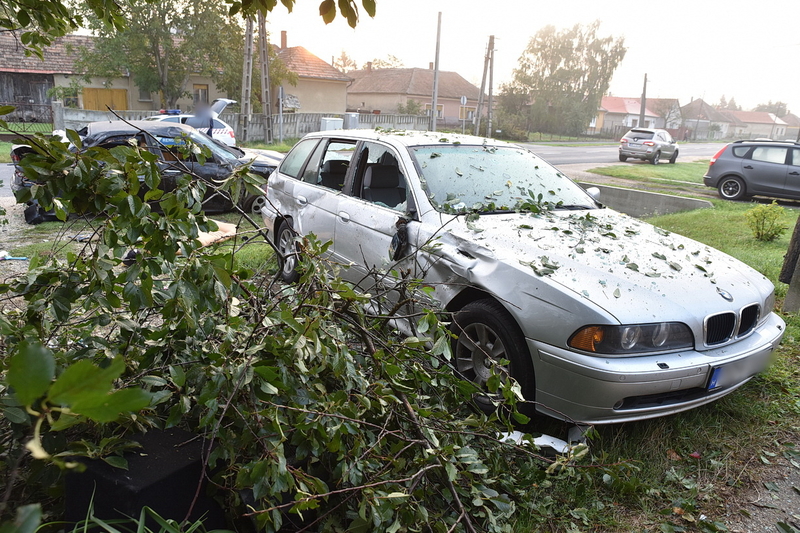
(689, 172)
(5, 152)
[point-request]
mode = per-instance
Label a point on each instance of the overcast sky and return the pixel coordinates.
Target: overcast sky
(688, 49)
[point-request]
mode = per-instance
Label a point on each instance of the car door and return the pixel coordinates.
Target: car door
(765, 170)
(213, 170)
(378, 207)
(793, 174)
(309, 191)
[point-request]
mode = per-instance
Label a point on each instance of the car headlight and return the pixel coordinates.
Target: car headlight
(633, 339)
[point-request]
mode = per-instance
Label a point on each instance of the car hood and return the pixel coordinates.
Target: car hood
(261, 157)
(635, 272)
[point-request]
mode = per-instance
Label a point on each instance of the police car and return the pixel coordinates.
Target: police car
(204, 121)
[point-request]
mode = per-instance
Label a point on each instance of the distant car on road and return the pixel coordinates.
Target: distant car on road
(758, 167)
(648, 144)
(220, 130)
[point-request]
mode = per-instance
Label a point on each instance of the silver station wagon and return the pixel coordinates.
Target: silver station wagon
(599, 317)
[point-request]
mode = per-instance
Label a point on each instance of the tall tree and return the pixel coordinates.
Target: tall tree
(389, 62)
(778, 108)
(163, 43)
(565, 73)
(344, 62)
(723, 103)
(40, 21)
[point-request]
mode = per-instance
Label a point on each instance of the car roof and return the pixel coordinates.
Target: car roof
(121, 127)
(409, 137)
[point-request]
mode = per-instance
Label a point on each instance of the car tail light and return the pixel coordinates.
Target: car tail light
(623, 140)
(649, 143)
(15, 158)
(719, 153)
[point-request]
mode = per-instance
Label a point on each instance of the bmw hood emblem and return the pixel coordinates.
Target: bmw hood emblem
(725, 294)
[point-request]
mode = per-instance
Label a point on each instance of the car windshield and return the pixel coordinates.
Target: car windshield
(201, 139)
(492, 179)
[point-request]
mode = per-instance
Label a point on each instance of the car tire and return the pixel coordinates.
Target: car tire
(673, 158)
(485, 327)
(656, 157)
(623, 158)
(288, 252)
(252, 205)
(732, 188)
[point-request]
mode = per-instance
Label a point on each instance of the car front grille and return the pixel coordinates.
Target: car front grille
(723, 327)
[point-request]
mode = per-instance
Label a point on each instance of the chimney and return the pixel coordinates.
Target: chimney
(430, 66)
(283, 39)
(369, 66)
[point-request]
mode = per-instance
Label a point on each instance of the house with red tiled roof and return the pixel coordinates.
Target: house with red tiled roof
(321, 88)
(28, 79)
(754, 124)
(792, 127)
(617, 114)
(384, 90)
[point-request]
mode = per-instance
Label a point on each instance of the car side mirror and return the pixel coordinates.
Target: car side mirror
(594, 192)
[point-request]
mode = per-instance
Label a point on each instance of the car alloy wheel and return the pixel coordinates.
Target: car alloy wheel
(732, 188)
(485, 335)
(288, 253)
(656, 157)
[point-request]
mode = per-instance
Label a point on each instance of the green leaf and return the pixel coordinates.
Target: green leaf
(116, 461)
(28, 518)
(84, 379)
(110, 406)
(31, 370)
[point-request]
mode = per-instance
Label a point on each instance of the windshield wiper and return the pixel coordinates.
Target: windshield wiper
(575, 207)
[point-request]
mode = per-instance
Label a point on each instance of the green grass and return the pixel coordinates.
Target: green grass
(5, 152)
(278, 147)
(690, 172)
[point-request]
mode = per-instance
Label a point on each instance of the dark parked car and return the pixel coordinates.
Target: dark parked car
(759, 167)
(648, 144)
(160, 138)
(602, 317)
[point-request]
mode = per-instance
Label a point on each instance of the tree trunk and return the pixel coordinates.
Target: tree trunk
(790, 259)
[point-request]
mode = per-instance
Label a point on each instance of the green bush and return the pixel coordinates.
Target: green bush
(764, 221)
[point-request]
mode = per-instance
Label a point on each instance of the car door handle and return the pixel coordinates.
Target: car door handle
(748, 167)
(344, 216)
(302, 200)
(794, 173)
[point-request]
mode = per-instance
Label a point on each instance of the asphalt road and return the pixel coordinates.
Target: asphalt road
(6, 171)
(601, 154)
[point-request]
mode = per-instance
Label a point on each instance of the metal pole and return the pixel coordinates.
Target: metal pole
(434, 111)
(266, 104)
(643, 103)
(479, 110)
(247, 79)
(280, 112)
(491, 106)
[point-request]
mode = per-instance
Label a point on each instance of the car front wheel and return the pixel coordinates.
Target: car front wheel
(732, 188)
(485, 336)
(674, 157)
(655, 158)
(288, 252)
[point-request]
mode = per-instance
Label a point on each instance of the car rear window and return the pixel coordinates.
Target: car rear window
(639, 135)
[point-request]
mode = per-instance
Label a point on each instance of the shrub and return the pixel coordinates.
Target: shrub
(764, 221)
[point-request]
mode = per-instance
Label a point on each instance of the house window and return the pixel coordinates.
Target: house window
(200, 94)
(466, 113)
(144, 96)
(439, 110)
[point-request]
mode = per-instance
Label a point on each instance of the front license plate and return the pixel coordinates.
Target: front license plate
(716, 378)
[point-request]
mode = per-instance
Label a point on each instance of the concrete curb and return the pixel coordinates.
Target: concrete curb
(644, 204)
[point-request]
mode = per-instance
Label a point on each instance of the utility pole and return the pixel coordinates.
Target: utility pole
(266, 103)
(479, 110)
(434, 111)
(247, 80)
(490, 110)
(643, 103)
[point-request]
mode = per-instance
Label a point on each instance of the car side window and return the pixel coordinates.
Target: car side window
(770, 154)
(741, 151)
(379, 177)
(293, 163)
(795, 159)
(328, 166)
